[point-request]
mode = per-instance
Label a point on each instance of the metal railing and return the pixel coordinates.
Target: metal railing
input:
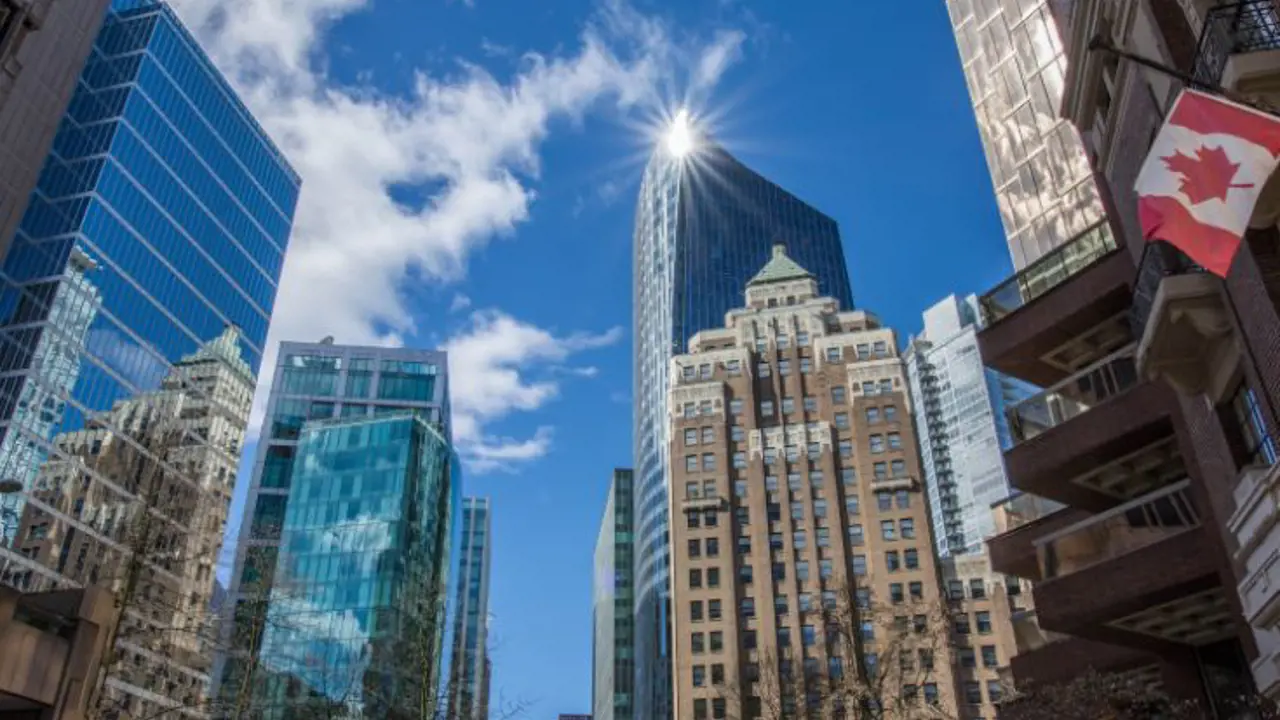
(1232, 28)
(1159, 260)
(1015, 511)
(1132, 526)
(1048, 272)
(1111, 376)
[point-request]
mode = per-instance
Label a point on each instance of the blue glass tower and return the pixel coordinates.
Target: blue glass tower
(705, 224)
(469, 667)
(134, 306)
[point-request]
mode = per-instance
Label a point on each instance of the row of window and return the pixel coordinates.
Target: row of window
(981, 619)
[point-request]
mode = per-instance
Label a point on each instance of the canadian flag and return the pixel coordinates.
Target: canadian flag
(1206, 168)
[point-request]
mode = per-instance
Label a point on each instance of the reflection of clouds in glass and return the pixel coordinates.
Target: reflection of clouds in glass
(139, 366)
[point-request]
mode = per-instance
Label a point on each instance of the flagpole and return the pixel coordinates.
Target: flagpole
(1099, 44)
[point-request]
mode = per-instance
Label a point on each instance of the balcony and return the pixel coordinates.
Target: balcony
(1061, 313)
(1074, 396)
(1184, 328)
(1239, 48)
(1254, 525)
(1019, 520)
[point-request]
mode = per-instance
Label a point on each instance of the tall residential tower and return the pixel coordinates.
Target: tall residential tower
(705, 224)
(613, 642)
(134, 305)
(469, 667)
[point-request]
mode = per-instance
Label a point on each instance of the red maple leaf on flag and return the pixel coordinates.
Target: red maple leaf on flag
(1206, 175)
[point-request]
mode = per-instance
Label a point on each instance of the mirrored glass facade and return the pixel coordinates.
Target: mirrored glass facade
(613, 642)
(134, 306)
(1014, 65)
(469, 682)
(355, 620)
(313, 384)
(705, 224)
(960, 414)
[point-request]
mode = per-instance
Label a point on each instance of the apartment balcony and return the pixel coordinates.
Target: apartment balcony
(1141, 574)
(1095, 438)
(1239, 49)
(1254, 524)
(1019, 520)
(1062, 313)
(1056, 658)
(1182, 322)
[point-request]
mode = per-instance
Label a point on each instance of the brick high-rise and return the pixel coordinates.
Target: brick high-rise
(801, 550)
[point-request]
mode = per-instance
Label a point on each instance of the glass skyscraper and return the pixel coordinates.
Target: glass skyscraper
(134, 305)
(613, 606)
(336, 417)
(1014, 65)
(705, 224)
(959, 408)
(469, 666)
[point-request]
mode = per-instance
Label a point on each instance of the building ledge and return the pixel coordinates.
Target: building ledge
(1187, 339)
(694, 504)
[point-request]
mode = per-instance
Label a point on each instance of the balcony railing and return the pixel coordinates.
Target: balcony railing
(1070, 398)
(1233, 28)
(1048, 272)
(1139, 523)
(1159, 260)
(1017, 510)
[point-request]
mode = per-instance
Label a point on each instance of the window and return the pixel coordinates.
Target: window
(887, 530)
(770, 455)
(691, 463)
(890, 413)
(802, 339)
(848, 476)
(846, 449)
(802, 571)
(706, 407)
(749, 636)
(851, 504)
(895, 593)
(745, 572)
(911, 559)
(747, 609)
(713, 547)
(859, 564)
(713, 577)
(873, 415)
(775, 541)
(884, 500)
(837, 395)
(699, 675)
(926, 659)
(708, 461)
(919, 623)
(968, 658)
(895, 441)
(808, 635)
(783, 341)
(886, 386)
(906, 527)
(972, 693)
(910, 693)
(880, 471)
(784, 367)
(798, 540)
(868, 630)
(879, 349)
(820, 509)
(709, 489)
(695, 578)
(690, 436)
(815, 478)
(737, 434)
(815, 451)
(763, 370)
(697, 640)
(793, 482)
(717, 641)
(855, 535)
(899, 468)
(771, 483)
(734, 367)
(695, 549)
(1246, 429)
(713, 610)
(862, 596)
(989, 656)
(877, 444)
(994, 691)
(930, 692)
(704, 370)
(744, 546)
(892, 560)
(692, 490)
(700, 709)
(766, 408)
(825, 569)
(829, 599)
(842, 421)
(917, 590)
(864, 351)
(984, 622)
(717, 676)
(735, 407)
(903, 499)
(960, 624)
(739, 459)
(708, 435)
(688, 372)
(833, 354)
(695, 611)
(955, 589)
(784, 636)
(869, 388)
(977, 589)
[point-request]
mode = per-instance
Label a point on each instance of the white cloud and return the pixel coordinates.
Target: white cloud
(473, 140)
(716, 58)
(460, 302)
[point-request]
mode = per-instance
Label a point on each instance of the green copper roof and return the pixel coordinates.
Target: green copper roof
(780, 268)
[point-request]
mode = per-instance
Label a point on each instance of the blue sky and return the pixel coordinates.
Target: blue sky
(470, 170)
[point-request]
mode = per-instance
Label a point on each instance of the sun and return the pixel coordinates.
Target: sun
(680, 135)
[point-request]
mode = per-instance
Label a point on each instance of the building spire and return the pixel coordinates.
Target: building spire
(780, 268)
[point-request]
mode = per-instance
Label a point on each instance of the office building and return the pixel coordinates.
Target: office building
(43, 47)
(469, 667)
(613, 639)
(1157, 425)
(319, 387)
(1014, 65)
(704, 225)
(801, 550)
(134, 305)
(960, 414)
